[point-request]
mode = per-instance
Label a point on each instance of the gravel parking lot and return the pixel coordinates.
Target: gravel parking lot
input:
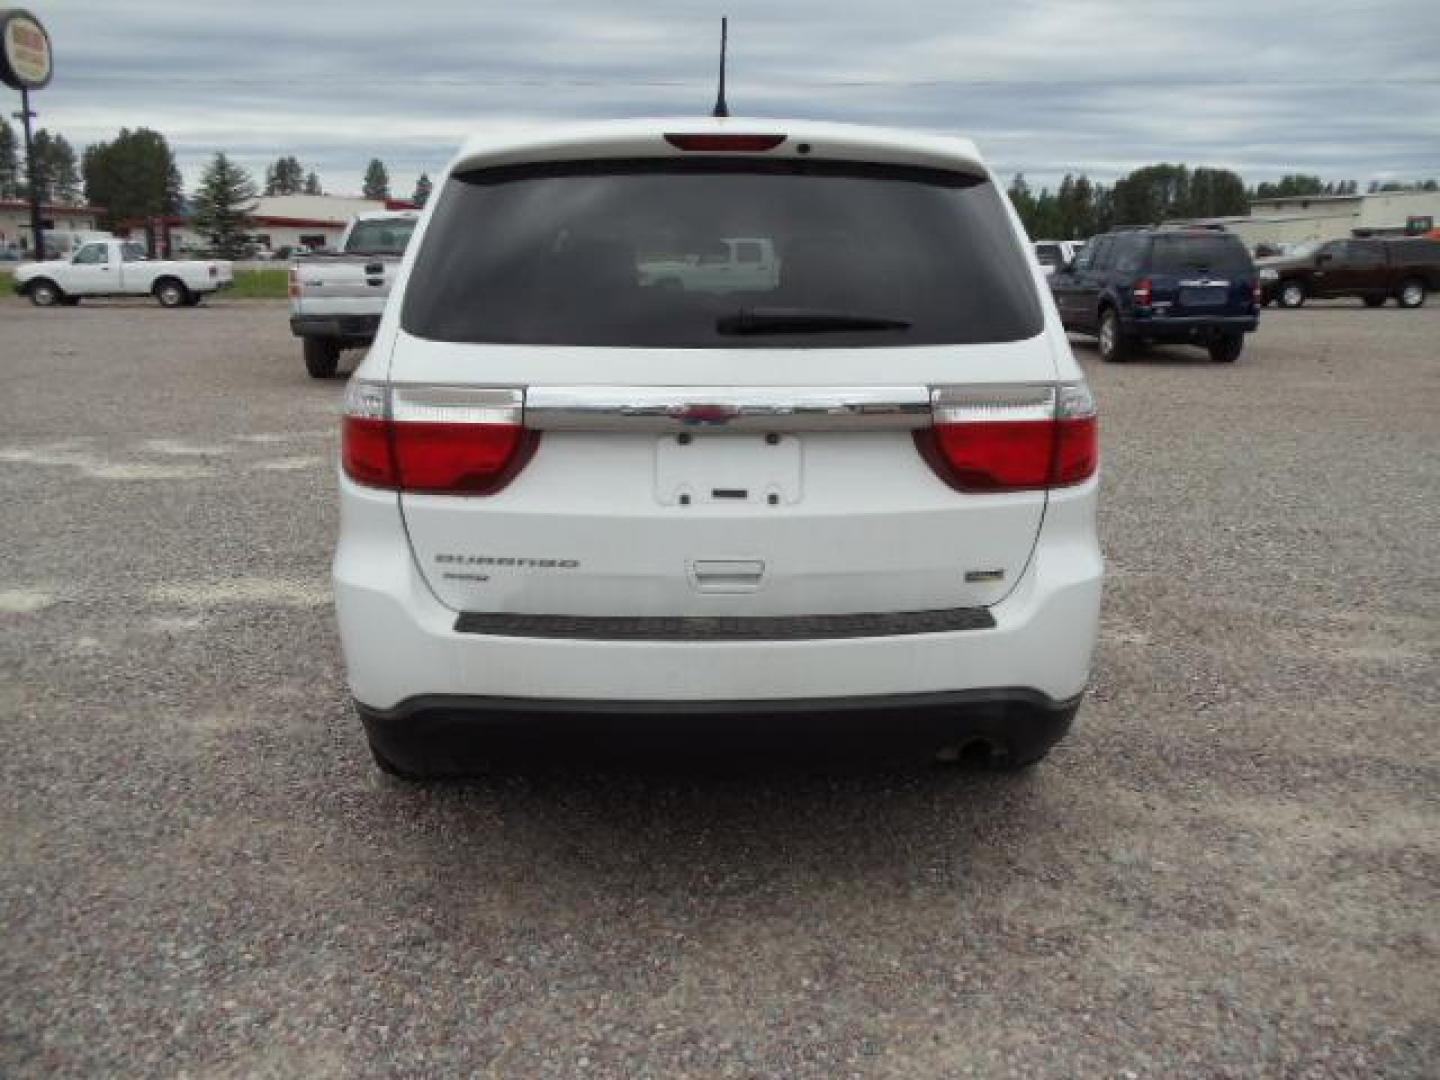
(1230, 869)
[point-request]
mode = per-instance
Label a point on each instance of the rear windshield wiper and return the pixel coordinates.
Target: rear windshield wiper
(802, 321)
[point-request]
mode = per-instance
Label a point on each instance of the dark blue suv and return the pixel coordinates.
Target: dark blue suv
(1187, 286)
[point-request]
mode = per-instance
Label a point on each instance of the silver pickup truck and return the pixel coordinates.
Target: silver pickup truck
(336, 300)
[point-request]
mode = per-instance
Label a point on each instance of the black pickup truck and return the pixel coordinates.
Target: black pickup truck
(1373, 270)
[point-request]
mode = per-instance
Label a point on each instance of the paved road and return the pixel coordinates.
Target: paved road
(1230, 869)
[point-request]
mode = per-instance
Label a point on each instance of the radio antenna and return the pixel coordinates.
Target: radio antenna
(722, 109)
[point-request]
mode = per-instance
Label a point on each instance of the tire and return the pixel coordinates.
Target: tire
(322, 357)
(1114, 345)
(1292, 294)
(45, 293)
(1374, 301)
(390, 769)
(1411, 294)
(1227, 349)
(171, 293)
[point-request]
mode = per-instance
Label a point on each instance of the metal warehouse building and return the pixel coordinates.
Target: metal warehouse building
(1310, 218)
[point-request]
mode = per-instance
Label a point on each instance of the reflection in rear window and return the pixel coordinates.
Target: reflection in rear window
(1183, 254)
(667, 253)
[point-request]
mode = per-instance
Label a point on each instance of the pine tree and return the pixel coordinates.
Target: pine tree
(284, 177)
(57, 173)
(223, 204)
(312, 184)
(377, 180)
(132, 177)
(422, 190)
(9, 162)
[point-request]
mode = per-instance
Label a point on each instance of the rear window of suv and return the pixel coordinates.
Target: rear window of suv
(380, 236)
(1179, 254)
(720, 254)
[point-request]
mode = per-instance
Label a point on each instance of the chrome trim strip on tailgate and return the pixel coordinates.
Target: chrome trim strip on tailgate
(760, 408)
(724, 627)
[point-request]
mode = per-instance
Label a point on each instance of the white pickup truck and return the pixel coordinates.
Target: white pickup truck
(119, 268)
(735, 264)
(336, 300)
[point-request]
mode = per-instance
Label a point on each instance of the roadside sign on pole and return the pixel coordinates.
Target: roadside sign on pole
(25, 58)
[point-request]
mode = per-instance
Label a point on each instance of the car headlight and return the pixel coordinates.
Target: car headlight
(1269, 273)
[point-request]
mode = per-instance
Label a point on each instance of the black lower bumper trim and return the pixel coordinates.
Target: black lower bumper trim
(725, 628)
(348, 327)
(447, 736)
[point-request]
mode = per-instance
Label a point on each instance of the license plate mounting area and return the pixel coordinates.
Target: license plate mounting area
(707, 469)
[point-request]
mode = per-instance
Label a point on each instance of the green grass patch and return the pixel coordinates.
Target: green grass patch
(270, 283)
(5, 276)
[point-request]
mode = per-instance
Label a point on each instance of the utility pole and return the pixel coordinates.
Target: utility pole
(32, 173)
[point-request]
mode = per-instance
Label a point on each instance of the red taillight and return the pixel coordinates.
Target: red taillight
(1257, 293)
(294, 283)
(1142, 292)
(214, 270)
(1021, 438)
(456, 441)
(722, 142)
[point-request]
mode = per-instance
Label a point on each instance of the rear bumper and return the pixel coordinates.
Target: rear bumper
(345, 327)
(430, 735)
(1190, 328)
(402, 644)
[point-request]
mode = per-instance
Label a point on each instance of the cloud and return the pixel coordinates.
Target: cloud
(1350, 91)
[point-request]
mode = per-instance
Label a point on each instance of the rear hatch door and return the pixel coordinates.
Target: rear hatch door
(1200, 275)
(713, 452)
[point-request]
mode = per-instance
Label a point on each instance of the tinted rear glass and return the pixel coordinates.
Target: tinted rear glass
(666, 253)
(1048, 254)
(380, 237)
(1185, 254)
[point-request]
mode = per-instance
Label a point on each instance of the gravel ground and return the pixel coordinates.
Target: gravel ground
(1229, 869)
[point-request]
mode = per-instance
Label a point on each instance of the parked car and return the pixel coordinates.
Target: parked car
(120, 268)
(862, 494)
(1373, 270)
(336, 299)
(735, 264)
(1056, 254)
(1131, 287)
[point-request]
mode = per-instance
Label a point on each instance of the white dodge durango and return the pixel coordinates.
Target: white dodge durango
(718, 423)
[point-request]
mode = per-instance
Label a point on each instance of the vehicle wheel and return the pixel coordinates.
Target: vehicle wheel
(45, 294)
(1114, 347)
(1292, 294)
(1226, 350)
(322, 357)
(171, 293)
(1412, 293)
(1374, 301)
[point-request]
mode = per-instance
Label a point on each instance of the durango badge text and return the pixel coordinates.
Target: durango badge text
(507, 560)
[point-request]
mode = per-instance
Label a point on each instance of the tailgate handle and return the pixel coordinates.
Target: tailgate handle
(726, 575)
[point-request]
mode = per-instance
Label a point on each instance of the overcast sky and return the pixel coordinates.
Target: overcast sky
(1346, 90)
